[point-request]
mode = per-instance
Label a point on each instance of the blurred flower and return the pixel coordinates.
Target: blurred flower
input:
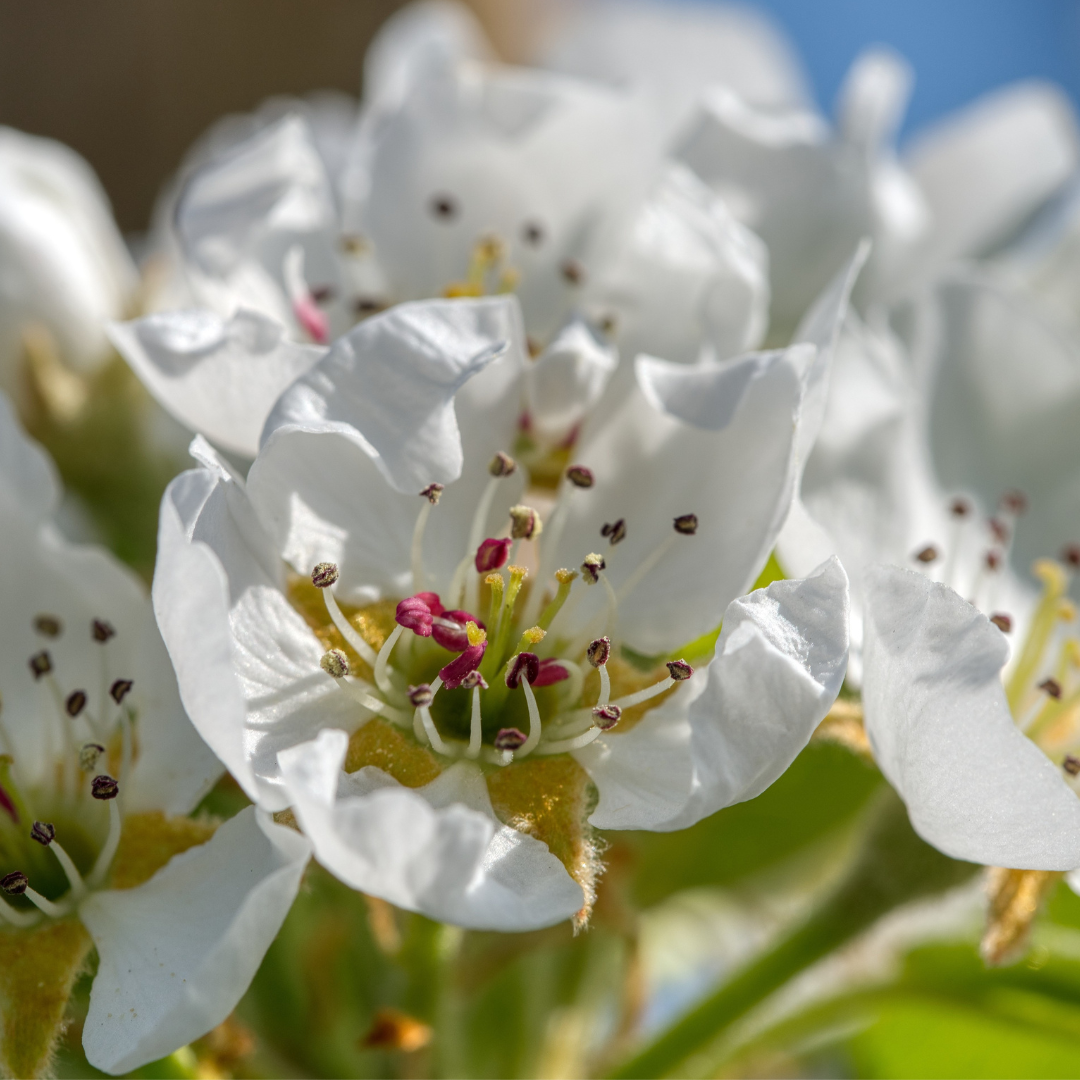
(98, 770)
(64, 265)
(446, 759)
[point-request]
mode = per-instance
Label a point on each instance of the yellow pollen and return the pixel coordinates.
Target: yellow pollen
(564, 577)
(494, 580)
(475, 635)
(534, 635)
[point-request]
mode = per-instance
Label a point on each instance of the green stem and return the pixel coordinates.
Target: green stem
(893, 867)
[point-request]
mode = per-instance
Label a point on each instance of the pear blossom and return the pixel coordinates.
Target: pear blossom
(98, 769)
(65, 266)
(462, 178)
(453, 665)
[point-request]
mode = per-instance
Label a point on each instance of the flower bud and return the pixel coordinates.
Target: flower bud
(76, 702)
(509, 738)
(525, 665)
(334, 662)
(502, 465)
(88, 756)
(43, 833)
(615, 531)
(324, 575)
(591, 567)
(679, 670)
(48, 626)
(15, 883)
(433, 493)
(101, 631)
(120, 689)
(598, 651)
(41, 663)
(421, 695)
(525, 522)
(104, 787)
(580, 476)
(686, 524)
(605, 717)
(491, 555)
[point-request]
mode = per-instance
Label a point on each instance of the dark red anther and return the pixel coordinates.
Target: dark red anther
(492, 555)
(102, 631)
(1051, 687)
(1002, 621)
(992, 559)
(449, 630)
(509, 738)
(960, 508)
(414, 614)
(999, 529)
(927, 555)
(120, 689)
(1070, 556)
(455, 672)
(605, 717)
(1015, 502)
(41, 664)
(526, 666)
(679, 670)
(615, 531)
(1071, 765)
(551, 672)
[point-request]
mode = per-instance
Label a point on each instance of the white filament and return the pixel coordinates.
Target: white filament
(359, 691)
(16, 917)
(432, 731)
(635, 579)
(78, 886)
(605, 686)
(418, 546)
(348, 631)
(562, 746)
(535, 729)
(108, 852)
(644, 695)
(382, 661)
(476, 537)
(54, 911)
(476, 726)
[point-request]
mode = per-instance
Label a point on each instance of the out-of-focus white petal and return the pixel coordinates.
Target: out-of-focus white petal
(177, 954)
(219, 377)
(939, 724)
(438, 849)
(712, 439)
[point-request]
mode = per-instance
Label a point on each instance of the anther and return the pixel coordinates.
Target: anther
(679, 670)
(102, 631)
(525, 665)
(928, 554)
(615, 531)
(999, 530)
(592, 567)
(525, 522)
(492, 554)
(415, 614)
(88, 756)
(48, 626)
(324, 575)
(1071, 765)
(104, 787)
(76, 702)
(15, 883)
(1051, 687)
(1014, 501)
(433, 493)
(532, 233)
(444, 207)
(959, 508)
(40, 664)
(599, 651)
(323, 294)
(992, 559)
(334, 662)
(580, 476)
(1002, 621)
(1070, 556)
(43, 832)
(474, 681)
(502, 465)
(475, 633)
(686, 524)
(421, 695)
(605, 717)
(120, 689)
(367, 305)
(572, 271)
(509, 738)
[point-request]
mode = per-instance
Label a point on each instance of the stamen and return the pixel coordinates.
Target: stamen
(1052, 688)
(45, 834)
(598, 653)
(382, 661)
(502, 465)
(509, 739)
(606, 716)
(525, 523)
(322, 577)
(635, 579)
(928, 554)
(420, 695)
(1002, 621)
(479, 522)
(432, 493)
(524, 666)
(566, 579)
(359, 692)
(563, 746)
(54, 911)
(304, 305)
(496, 584)
(492, 555)
(15, 884)
(48, 626)
(580, 476)
(476, 727)
(75, 703)
(616, 531)
(88, 756)
(40, 664)
(101, 631)
(686, 524)
(535, 729)
(679, 671)
(335, 663)
(591, 567)
(1071, 765)
(1046, 614)
(421, 698)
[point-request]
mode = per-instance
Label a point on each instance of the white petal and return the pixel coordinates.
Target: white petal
(713, 439)
(218, 377)
(177, 954)
(874, 98)
(986, 168)
(28, 479)
(937, 718)
(246, 663)
(437, 849)
(393, 379)
(566, 380)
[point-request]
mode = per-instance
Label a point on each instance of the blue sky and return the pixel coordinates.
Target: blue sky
(959, 48)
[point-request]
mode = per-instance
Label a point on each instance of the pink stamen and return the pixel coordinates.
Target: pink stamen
(492, 554)
(315, 323)
(551, 672)
(455, 672)
(448, 629)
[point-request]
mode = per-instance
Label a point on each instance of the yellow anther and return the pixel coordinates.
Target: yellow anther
(494, 580)
(564, 577)
(475, 635)
(1066, 609)
(534, 635)
(518, 573)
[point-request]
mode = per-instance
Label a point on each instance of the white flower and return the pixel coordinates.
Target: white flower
(463, 179)
(63, 265)
(451, 785)
(99, 766)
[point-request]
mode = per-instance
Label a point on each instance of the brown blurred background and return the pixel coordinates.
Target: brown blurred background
(131, 83)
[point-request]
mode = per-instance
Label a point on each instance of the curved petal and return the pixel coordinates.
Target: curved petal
(438, 849)
(177, 954)
(28, 478)
(937, 718)
(218, 377)
(393, 379)
(713, 439)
